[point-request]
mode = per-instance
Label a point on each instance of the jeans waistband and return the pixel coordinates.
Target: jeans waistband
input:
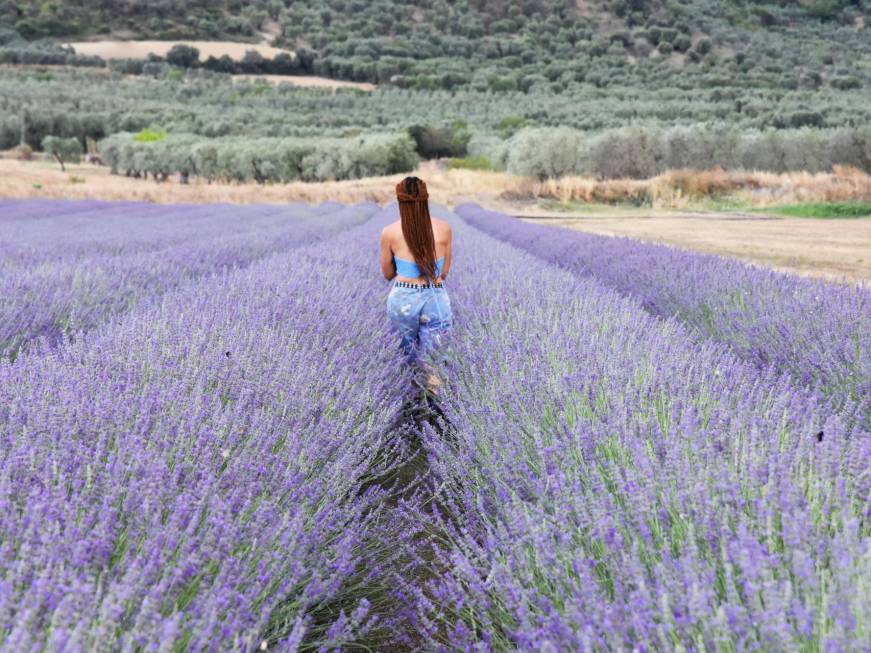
(417, 286)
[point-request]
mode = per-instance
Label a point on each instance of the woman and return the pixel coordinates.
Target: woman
(416, 256)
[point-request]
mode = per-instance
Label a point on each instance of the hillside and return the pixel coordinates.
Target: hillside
(510, 45)
(540, 88)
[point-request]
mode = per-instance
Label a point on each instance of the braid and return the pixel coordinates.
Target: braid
(417, 224)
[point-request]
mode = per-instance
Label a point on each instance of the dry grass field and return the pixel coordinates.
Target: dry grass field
(141, 49)
(693, 189)
(133, 49)
(309, 80)
(831, 248)
(275, 80)
(43, 178)
(834, 249)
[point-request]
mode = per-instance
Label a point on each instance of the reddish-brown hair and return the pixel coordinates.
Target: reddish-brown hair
(417, 224)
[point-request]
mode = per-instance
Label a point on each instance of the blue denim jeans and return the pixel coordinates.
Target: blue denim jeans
(422, 318)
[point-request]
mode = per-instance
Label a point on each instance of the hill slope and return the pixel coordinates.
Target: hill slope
(501, 45)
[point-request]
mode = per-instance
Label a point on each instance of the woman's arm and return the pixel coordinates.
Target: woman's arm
(447, 266)
(388, 266)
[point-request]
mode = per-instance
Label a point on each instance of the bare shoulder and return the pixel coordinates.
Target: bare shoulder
(390, 231)
(441, 226)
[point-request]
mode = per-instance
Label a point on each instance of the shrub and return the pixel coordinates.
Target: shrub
(845, 83)
(284, 64)
(682, 43)
(668, 35)
(799, 119)
(24, 152)
(851, 147)
(634, 152)
(529, 83)
(765, 17)
(508, 125)
(183, 56)
(222, 64)
(491, 147)
(154, 68)
(546, 152)
(642, 48)
(252, 63)
(623, 38)
(502, 84)
(127, 66)
(823, 9)
(8, 36)
(436, 142)
(703, 45)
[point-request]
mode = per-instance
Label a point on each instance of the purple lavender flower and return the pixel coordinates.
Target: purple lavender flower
(817, 331)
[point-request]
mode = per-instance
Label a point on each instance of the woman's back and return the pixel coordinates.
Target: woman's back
(441, 231)
(404, 266)
(416, 257)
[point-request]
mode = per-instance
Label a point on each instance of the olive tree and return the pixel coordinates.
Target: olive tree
(63, 149)
(634, 152)
(546, 152)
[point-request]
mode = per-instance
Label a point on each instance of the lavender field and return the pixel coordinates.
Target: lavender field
(208, 442)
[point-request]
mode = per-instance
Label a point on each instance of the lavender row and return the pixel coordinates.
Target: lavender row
(198, 475)
(818, 332)
(53, 298)
(40, 231)
(607, 483)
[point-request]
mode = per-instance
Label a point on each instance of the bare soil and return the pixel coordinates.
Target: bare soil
(141, 49)
(837, 249)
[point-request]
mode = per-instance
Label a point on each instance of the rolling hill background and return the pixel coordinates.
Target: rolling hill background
(636, 86)
(513, 45)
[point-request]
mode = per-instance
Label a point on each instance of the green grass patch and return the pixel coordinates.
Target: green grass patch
(823, 210)
(150, 135)
(471, 163)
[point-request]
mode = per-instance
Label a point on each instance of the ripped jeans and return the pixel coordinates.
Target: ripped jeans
(421, 315)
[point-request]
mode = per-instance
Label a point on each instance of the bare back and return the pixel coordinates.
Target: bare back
(393, 243)
(440, 229)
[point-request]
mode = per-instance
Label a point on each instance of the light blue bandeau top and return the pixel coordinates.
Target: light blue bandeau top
(405, 268)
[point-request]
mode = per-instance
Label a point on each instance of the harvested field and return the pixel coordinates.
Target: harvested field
(309, 80)
(43, 179)
(834, 249)
(141, 49)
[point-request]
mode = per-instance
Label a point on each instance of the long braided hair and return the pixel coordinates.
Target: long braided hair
(417, 224)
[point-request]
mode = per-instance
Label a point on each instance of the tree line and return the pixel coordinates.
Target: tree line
(263, 160)
(642, 152)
